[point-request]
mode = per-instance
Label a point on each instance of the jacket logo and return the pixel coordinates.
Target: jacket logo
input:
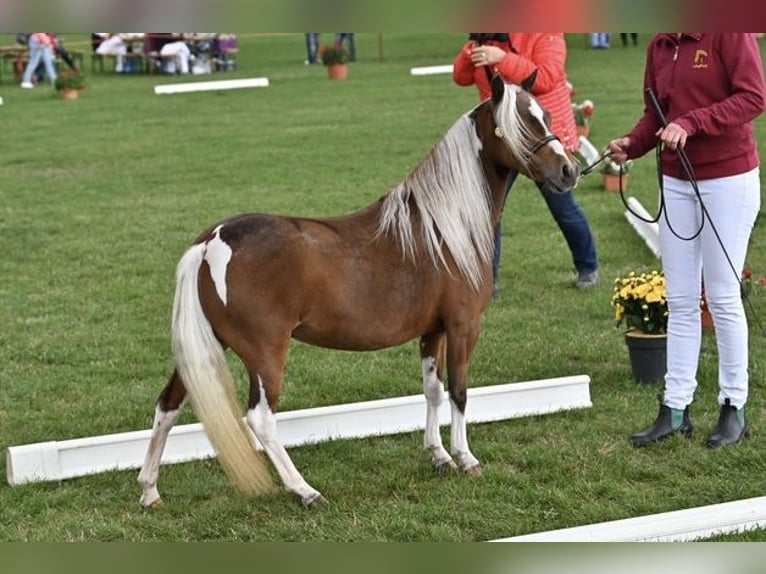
(700, 59)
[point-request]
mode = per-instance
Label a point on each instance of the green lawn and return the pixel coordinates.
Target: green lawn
(100, 196)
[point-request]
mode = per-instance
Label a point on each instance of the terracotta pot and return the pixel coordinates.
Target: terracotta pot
(705, 315)
(337, 71)
(69, 94)
(648, 356)
(707, 320)
(612, 182)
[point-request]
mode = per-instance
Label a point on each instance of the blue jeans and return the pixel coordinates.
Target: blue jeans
(312, 47)
(572, 222)
(39, 52)
(340, 37)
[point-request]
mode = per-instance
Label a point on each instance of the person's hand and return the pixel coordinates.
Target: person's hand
(618, 149)
(486, 55)
(672, 136)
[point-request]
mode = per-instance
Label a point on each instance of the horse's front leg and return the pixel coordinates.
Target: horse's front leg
(432, 359)
(460, 345)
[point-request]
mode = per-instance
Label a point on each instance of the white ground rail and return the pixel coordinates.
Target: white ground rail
(677, 526)
(58, 460)
(649, 232)
(431, 70)
(211, 86)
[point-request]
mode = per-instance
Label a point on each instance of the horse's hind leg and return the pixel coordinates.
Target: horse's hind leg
(432, 360)
(165, 416)
(265, 387)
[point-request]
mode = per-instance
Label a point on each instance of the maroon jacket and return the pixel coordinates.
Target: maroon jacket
(711, 85)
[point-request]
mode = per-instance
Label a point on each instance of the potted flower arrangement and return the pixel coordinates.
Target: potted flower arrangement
(614, 175)
(639, 302)
(583, 114)
(746, 288)
(69, 83)
(335, 58)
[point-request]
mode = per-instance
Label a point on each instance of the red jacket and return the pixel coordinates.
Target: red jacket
(711, 85)
(527, 52)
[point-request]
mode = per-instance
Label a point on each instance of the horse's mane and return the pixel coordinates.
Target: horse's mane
(452, 196)
(515, 132)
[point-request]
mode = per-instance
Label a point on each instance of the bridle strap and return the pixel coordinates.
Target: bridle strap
(543, 141)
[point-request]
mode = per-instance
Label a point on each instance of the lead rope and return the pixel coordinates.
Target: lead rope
(686, 164)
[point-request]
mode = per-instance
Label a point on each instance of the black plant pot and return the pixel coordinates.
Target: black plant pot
(648, 356)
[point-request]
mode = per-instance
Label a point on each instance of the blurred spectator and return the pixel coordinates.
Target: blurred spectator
(168, 50)
(112, 45)
(624, 38)
(40, 48)
(173, 47)
(312, 48)
(347, 37)
(600, 40)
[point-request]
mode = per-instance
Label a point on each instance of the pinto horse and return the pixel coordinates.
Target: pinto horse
(415, 263)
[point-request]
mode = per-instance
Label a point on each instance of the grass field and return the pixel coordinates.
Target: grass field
(100, 196)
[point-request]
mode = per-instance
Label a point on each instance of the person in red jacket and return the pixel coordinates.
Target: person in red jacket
(709, 88)
(516, 56)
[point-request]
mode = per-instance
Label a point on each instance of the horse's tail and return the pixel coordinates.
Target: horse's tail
(202, 366)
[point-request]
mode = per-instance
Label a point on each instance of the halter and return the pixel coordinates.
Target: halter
(542, 141)
(538, 144)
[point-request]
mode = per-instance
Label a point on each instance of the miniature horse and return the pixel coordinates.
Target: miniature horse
(416, 263)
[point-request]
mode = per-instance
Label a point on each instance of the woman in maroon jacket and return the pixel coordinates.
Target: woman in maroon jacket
(710, 88)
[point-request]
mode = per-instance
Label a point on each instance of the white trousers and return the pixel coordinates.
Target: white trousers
(114, 46)
(180, 53)
(732, 204)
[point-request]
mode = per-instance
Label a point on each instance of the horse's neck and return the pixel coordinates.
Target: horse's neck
(497, 177)
(495, 172)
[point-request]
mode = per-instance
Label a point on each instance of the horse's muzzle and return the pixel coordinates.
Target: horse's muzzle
(565, 179)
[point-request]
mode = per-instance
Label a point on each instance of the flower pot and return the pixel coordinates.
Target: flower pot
(612, 182)
(706, 317)
(337, 71)
(648, 356)
(69, 94)
(707, 320)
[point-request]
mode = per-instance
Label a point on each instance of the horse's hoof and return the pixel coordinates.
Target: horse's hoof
(475, 470)
(445, 467)
(315, 501)
(156, 504)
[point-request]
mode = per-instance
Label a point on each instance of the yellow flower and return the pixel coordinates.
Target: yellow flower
(638, 300)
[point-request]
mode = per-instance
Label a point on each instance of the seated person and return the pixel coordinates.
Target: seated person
(172, 46)
(116, 45)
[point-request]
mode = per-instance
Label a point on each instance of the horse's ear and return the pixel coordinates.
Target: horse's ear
(529, 81)
(498, 88)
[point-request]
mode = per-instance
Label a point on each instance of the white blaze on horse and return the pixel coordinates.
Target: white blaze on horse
(415, 263)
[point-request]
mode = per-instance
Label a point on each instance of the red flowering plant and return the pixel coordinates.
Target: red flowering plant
(583, 112)
(335, 54)
(70, 80)
(745, 284)
(748, 282)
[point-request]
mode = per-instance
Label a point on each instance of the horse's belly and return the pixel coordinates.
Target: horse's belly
(359, 336)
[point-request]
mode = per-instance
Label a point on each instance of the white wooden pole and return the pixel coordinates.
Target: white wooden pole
(58, 460)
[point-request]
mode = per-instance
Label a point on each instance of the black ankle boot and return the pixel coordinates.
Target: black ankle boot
(662, 428)
(729, 429)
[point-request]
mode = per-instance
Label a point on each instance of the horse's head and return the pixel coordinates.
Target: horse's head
(523, 126)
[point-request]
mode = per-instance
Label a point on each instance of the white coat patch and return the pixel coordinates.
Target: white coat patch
(218, 255)
(537, 112)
